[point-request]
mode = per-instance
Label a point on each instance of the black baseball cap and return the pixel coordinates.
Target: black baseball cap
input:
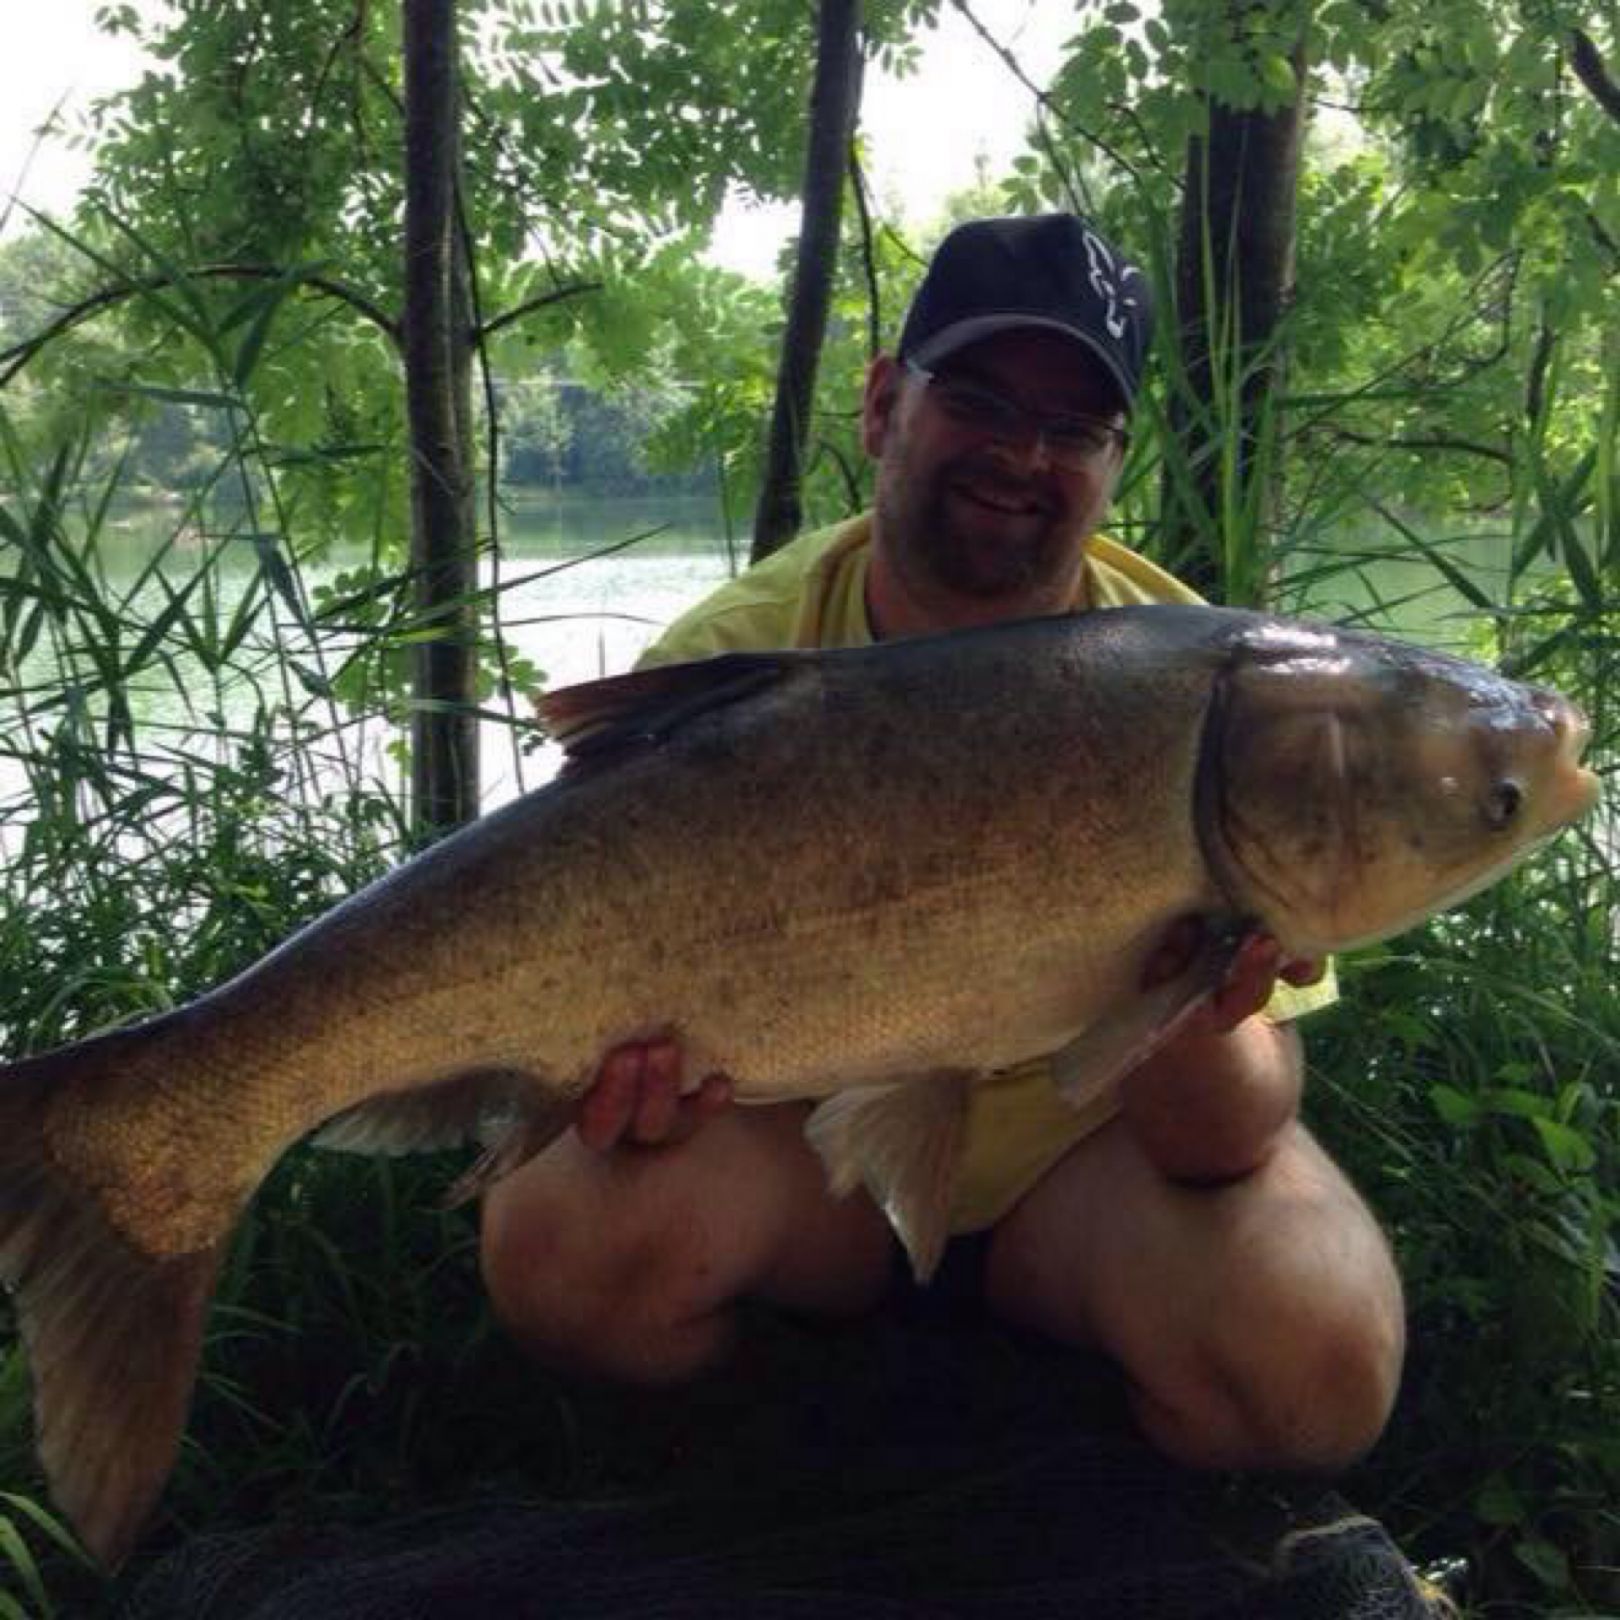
(1048, 270)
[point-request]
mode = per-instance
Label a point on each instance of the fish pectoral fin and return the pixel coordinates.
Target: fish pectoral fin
(1103, 1054)
(482, 1106)
(508, 1146)
(902, 1142)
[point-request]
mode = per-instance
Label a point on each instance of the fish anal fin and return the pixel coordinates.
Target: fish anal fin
(903, 1142)
(597, 720)
(112, 1335)
(1115, 1044)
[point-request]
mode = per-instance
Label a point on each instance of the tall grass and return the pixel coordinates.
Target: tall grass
(178, 792)
(200, 750)
(194, 767)
(1471, 1079)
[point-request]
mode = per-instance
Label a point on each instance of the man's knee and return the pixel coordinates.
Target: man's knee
(1302, 1375)
(629, 1264)
(609, 1294)
(1259, 1322)
(1300, 1364)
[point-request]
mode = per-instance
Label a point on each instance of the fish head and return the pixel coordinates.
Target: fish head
(1350, 786)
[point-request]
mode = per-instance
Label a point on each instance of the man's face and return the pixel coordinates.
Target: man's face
(979, 525)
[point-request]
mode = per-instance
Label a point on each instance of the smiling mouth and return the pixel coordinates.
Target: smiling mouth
(1006, 503)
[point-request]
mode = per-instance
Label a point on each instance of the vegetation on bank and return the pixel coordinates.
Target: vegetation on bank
(1451, 365)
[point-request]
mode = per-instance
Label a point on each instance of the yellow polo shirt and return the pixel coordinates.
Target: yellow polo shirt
(812, 593)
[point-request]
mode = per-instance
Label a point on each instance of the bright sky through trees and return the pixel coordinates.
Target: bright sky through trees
(926, 133)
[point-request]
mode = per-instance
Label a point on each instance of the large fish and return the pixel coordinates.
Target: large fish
(868, 876)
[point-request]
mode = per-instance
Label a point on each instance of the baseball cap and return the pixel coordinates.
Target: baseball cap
(1045, 270)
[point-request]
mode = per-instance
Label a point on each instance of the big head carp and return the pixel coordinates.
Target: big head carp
(866, 876)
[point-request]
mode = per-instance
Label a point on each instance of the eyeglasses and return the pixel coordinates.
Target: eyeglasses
(1073, 442)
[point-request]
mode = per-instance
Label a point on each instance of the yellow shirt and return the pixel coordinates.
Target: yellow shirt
(812, 593)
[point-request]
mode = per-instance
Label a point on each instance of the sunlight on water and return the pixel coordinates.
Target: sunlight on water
(574, 615)
(593, 619)
(578, 616)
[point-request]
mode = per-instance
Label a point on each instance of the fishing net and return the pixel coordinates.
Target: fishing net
(895, 1468)
(1003, 1545)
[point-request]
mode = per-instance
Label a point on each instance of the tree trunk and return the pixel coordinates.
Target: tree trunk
(834, 106)
(1234, 283)
(438, 376)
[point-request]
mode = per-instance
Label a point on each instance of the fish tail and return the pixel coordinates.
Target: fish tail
(112, 1335)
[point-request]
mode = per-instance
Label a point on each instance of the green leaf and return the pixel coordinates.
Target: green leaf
(14, 1551)
(1277, 77)
(206, 398)
(1532, 1172)
(310, 679)
(1498, 1502)
(47, 1522)
(1453, 1106)
(1517, 1103)
(1564, 1145)
(1545, 1561)
(1416, 1032)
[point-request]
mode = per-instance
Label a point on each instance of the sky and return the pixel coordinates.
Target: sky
(923, 146)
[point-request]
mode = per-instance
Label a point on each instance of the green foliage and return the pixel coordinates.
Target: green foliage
(1468, 1079)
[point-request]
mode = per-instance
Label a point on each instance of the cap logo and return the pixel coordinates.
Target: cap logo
(1107, 284)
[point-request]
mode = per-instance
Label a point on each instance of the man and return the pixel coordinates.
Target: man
(1189, 1227)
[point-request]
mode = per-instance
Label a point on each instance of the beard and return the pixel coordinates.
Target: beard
(974, 531)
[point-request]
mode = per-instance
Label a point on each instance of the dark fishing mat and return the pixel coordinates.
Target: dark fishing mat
(901, 1467)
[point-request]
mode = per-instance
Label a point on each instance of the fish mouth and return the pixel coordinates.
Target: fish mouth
(1573, 788)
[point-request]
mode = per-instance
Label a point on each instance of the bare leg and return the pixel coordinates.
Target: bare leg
(1259, 1322)
(628, 1263)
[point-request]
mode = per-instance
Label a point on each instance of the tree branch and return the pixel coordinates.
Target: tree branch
(863, 213)
(852, 483)
(834, 114)
(13, 360)
(1593, 72)
(530, 305)
(1042, 100)
(1423, 441)
(1535, 389)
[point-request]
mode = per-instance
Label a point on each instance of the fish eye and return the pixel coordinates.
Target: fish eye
(1503, 803)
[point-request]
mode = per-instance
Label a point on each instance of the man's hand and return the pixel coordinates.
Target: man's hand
(636, 1098)
(1210, 1104)
(1250, 980)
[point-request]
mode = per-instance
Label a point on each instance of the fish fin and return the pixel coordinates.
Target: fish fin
(113, 1335)
(1110, 1048)
(516, 1144)
(903, 1142)
(598, 720)
(478, 1106)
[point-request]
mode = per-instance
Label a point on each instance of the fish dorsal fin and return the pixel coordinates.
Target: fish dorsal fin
(597, 719)
(903, 1143)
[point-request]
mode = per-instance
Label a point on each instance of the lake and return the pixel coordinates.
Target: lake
(590, 581)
